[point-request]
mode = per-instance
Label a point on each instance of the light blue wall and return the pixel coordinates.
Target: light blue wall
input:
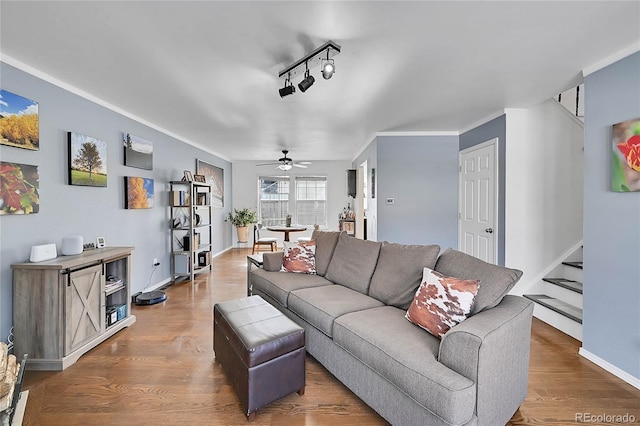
(421, 174)
(88, 211)
(611, 327)
(496, 128)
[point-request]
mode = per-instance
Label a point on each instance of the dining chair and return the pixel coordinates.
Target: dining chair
(272, 242)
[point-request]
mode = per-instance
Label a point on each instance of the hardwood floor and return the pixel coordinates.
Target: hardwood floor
(161, 371)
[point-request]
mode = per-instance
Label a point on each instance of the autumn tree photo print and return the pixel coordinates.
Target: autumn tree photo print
(87, 160)
(19, 121)
(138, 193)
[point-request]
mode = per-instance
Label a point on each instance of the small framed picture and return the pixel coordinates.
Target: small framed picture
(200, 178)
(188, 177)
(100, 242)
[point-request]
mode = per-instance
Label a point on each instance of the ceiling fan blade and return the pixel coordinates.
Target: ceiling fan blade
(302, 166)
(304, 162)
(268, 164)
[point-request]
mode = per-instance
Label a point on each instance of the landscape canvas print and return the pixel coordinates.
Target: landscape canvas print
(19, 186)
(138, 193)
(138, 152)
(625, 166)
(19, 122)
(215, 178)
(87, 160)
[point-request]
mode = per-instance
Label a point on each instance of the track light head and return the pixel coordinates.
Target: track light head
(328, 68)
(287, 90)
(307, 82)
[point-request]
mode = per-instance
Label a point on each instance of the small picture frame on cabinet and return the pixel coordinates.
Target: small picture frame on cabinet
(188, 177)
(100, 242)
(200, 178)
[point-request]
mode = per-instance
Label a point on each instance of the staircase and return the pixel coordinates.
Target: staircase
(558, 297)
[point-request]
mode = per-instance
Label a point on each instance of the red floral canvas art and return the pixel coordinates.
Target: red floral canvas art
(625, 167)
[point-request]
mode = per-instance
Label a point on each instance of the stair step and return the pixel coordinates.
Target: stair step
(556, 305)
(566, 283)
(574, 264)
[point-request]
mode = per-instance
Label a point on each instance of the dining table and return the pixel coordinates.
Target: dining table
(286, 229)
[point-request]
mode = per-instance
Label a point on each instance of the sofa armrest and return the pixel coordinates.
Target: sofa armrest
(492, 349)
(272, 261)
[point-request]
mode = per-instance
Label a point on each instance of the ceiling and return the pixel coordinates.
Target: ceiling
(207, 71)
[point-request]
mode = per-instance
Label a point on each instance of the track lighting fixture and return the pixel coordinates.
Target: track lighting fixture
(320, 56)
(307, 82)
(288, 89)
(328, 68)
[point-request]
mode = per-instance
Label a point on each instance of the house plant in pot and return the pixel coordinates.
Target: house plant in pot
(241, 219)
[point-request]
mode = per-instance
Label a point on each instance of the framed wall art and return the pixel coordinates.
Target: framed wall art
(19, 121)
(138, 192)
(625, 164)
(138, 152)
(214, 177)
(19, 186)
(87, 160)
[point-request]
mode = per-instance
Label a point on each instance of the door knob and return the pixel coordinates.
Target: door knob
(489, 230)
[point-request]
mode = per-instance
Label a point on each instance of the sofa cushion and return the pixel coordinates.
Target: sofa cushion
(272, 261)
(495, 280)
(406, 356)
(320, 306)
(441, 302)
(353, 263)
(399, 272)
(278, 285)
(299, 257)
(325, 245)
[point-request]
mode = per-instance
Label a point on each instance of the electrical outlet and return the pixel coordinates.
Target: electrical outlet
(155, 261)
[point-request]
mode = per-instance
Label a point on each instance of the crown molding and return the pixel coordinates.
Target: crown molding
(418, 133)
(88, 96)
(621, 54)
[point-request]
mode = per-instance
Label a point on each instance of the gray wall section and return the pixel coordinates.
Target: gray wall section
(90, 211)
(496, 128)
(611, 327)
(421, 174)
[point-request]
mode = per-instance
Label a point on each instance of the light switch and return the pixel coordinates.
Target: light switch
(390, 201)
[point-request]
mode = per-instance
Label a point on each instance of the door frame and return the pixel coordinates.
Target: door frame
(496, 227)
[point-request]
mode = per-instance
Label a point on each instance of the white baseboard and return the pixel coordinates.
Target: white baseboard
(633, 381)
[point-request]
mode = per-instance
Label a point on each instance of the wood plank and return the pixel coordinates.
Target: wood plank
(161, 371)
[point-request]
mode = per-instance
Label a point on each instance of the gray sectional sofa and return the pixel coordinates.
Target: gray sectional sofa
(353, 312)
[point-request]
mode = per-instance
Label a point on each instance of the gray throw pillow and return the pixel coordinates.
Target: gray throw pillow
(495, 280)
(399, 271)
(353, 263)
(325, 245)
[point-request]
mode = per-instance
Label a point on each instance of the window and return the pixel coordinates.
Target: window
(311, 200)
(273, 203)
(308, 201)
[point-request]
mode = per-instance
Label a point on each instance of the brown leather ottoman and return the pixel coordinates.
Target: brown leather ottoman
(261, 350)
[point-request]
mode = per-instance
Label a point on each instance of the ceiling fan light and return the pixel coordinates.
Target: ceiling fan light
(328, 68)
(285, 167)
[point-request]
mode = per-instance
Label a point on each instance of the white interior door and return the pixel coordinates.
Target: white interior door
(478, 221)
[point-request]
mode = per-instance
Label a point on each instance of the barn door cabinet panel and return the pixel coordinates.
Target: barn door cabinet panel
(66, 306)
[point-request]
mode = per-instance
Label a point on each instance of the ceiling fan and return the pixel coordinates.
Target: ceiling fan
(285, 163)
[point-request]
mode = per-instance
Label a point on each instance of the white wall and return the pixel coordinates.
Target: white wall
(245, 188)
(544, 188)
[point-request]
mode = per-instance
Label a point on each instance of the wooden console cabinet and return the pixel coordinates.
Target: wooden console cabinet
(64, 307)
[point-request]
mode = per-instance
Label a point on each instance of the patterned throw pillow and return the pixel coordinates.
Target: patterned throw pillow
(441, 302)
(299, 257)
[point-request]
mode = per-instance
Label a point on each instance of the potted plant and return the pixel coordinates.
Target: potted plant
(241, 219)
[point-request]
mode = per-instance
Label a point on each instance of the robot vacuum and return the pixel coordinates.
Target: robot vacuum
(150, 298)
